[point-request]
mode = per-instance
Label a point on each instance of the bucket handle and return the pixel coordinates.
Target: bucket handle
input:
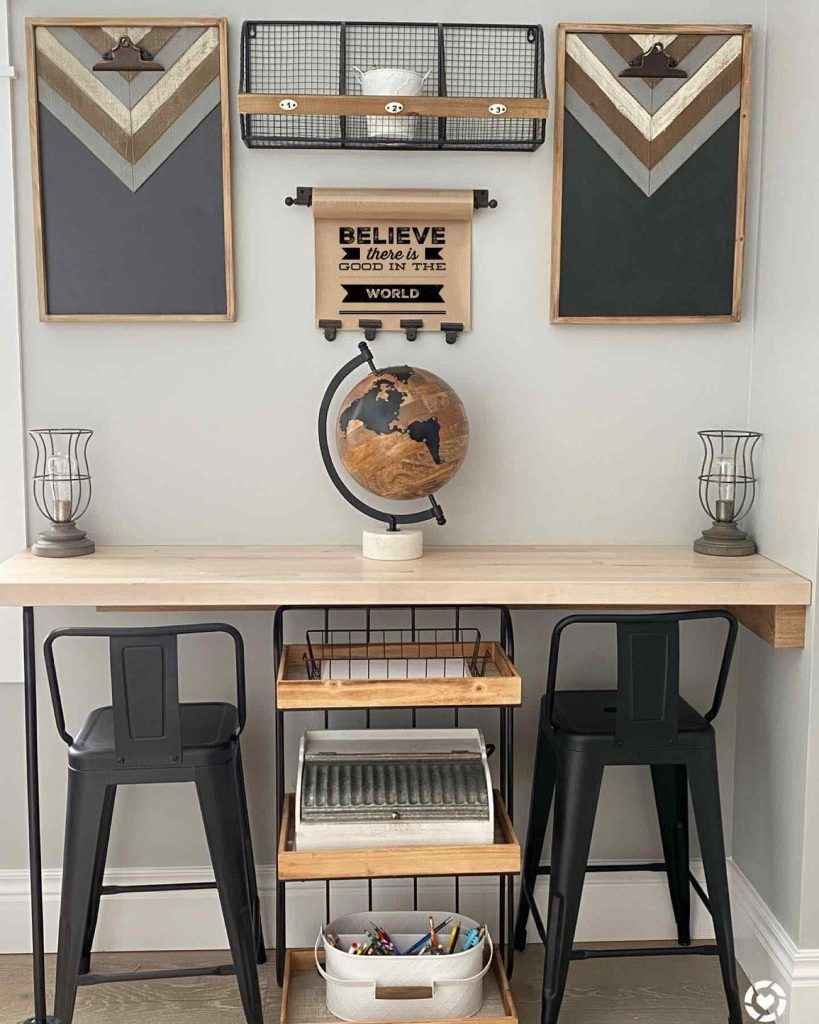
(423, 992)
(361, 74)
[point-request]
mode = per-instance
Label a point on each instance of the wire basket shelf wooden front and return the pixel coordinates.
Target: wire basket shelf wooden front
(345, 668)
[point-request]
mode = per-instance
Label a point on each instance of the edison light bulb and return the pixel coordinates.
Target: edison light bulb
(58, 475)
(726, 486)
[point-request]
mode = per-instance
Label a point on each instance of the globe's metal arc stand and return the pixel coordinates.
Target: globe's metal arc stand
(392, 519)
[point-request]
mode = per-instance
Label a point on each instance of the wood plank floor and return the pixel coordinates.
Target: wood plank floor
(653, 990)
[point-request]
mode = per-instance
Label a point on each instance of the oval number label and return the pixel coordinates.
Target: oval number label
(497, 108)
(393, 108)
(288, 104)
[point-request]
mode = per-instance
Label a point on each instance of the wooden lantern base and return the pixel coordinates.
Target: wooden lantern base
(725, 539)
(62, 540)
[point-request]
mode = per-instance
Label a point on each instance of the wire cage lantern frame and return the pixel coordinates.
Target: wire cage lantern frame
(61, 485)
(727, 489)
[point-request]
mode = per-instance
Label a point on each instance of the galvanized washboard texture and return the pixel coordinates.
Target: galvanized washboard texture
(380, 788)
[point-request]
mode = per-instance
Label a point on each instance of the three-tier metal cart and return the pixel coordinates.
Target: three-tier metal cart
(344, 660)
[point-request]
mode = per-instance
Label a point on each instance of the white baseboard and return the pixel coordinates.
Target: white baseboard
(766, 951)
(617, 906)
(628, 906)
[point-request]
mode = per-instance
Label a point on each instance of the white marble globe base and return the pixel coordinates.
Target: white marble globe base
(392, 545)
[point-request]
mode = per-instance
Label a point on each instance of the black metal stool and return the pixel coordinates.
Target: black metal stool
(643, 721)
(147, 736)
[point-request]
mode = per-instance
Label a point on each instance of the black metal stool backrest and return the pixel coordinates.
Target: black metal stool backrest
(648, 669)
(144, 687)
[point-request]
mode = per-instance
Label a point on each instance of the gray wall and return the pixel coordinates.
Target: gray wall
(776, 837)
(206, 433)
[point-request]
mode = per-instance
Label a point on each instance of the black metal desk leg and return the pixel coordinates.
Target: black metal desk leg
(278, 739)
(35, 864)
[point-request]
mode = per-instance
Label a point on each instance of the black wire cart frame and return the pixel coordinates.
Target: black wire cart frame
(457, 616)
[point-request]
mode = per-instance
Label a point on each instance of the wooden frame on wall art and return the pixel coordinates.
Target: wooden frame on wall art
(648, 203)
(150, 236)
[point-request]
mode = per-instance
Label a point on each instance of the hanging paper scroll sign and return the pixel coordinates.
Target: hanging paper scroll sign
(393, 255)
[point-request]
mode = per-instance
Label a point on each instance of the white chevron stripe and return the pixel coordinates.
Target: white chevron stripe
(646, 42)
(134, 34)
(650, 126)
(84, 79)
(622, 99)
(710, 70)
(173, 78)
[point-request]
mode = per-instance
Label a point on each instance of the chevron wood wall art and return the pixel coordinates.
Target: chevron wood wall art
(131, 121)
(650, 175)
(131, 170)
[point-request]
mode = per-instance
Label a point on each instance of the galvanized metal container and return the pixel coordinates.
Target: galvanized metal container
(389, 787)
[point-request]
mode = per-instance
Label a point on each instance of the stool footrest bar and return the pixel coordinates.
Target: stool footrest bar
(546, 869)
(118, 890)
(602, 954)
(220, 970)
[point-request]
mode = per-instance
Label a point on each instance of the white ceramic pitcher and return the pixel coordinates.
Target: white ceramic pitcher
(391, 82)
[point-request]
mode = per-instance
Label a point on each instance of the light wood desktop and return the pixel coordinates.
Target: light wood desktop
(767, 598)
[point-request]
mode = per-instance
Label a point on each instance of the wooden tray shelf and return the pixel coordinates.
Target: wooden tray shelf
(303, 994)
(501, 857)
(500, 685)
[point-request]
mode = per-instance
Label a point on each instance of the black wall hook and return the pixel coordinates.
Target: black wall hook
(370, 328)
(411, 328)
(330, 327)
(654, 63)
(451, 332)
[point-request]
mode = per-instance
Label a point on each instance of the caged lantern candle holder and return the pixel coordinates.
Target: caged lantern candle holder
(727, 490)
(62, 490)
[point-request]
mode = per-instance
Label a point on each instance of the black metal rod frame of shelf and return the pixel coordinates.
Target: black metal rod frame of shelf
(506, 908)
(304, 197)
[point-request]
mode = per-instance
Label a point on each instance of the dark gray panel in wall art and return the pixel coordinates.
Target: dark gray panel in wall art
(651, 173)
(668, 255)
(159, 250)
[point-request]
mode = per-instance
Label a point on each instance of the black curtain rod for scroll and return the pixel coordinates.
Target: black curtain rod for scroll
(304, 197)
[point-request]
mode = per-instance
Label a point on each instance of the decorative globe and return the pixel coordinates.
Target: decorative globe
(402, 432)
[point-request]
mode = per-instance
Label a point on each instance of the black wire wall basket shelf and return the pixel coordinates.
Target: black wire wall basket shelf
(392, 85)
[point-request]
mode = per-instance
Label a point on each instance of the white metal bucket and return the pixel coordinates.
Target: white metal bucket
(388, 988)
(391, 82)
